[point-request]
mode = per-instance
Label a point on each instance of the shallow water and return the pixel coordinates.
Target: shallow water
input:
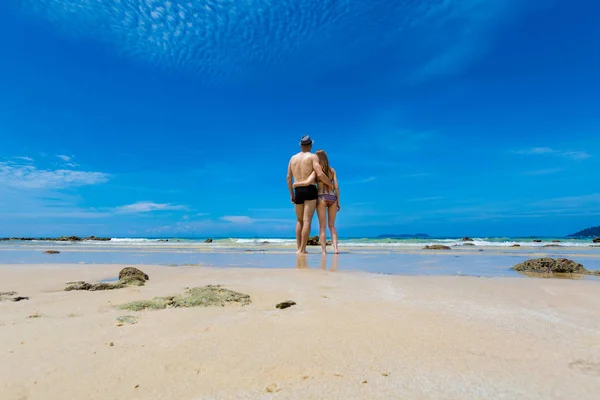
(469, 261)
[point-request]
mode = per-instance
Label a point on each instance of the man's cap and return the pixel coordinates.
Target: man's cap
(306, 141)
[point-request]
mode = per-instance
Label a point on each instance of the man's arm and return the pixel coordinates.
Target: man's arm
(290, 175)
(322, 177)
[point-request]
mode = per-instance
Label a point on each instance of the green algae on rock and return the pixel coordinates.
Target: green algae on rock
(127, 319)
(206, 296)
(553, 266)
(128, 276)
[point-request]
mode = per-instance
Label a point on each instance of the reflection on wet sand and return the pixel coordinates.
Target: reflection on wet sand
(302, 262)
(552, 275)
(334, 264)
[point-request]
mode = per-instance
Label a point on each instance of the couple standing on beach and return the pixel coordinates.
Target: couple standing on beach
(313, 185)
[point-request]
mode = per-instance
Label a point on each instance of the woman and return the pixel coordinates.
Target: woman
(328, 203)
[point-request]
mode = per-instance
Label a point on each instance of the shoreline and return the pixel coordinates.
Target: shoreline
(352, 334)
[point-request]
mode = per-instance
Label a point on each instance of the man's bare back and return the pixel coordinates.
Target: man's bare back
(301, 165)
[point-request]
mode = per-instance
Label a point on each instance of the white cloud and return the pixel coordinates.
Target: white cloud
(575, 155)
(28, 159)
(361, 181)
(536, 150)
(148, 206)
(29, 177)
(244, 219)
(65, 158)
(548, 171)
(238, 219)
(218, 39)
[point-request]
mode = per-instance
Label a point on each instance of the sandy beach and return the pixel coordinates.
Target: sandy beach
(351, 335)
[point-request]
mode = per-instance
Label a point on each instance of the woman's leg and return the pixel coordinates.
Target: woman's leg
(332, 213)
(322, 214)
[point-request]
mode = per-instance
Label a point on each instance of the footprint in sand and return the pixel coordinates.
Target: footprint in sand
(586, 367)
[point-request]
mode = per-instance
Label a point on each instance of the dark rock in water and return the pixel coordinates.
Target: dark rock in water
(556, 241)
(468, 244)
(596, 240)
(436, 247)
(20, 298)
(208, 241)
(550, 265)
(206, 296)
(79, 285)
(516, 245)
(132, 272)
(285, 304)
(467, 239)
(52, 252)
(100, 239)
(69, 239)
(163, 240)
(313, 241)
(537, 241)
(552, 245)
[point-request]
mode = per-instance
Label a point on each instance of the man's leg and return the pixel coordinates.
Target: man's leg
(299, 215)
(309, 212)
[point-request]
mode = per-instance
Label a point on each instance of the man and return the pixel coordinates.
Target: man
(304, 198)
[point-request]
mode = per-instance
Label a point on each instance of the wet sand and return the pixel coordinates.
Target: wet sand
(351, 335)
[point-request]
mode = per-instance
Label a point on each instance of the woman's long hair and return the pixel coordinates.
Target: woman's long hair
(324, 161)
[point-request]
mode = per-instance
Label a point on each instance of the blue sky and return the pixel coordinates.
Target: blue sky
(177, 118)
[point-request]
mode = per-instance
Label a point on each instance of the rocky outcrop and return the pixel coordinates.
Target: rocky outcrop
(516, 245)
(4, 296)
(436, 247)
(78, 285)
(52, 252)
(537, 241)
(206, 296)
(7, 295)
(132, 274)
(556, 241)
(550, 266)
(314, 241)
(596, 240)
(129, 276)
(285, 304)
(209, 240)
(467, 239)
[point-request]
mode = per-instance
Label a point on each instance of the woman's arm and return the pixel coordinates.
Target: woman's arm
(308, 181)
(337, 188)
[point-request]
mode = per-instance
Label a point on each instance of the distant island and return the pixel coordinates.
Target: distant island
(58, 239)
(589, 232)
(404, 236)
